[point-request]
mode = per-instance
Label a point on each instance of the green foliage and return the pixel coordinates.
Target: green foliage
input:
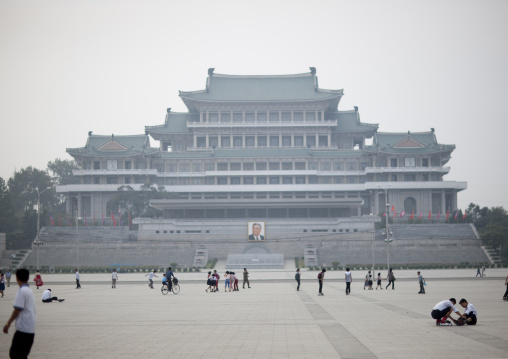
(61, 171)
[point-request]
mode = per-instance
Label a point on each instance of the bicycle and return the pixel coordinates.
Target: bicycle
(175, 287)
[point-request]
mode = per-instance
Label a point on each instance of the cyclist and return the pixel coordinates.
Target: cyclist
(169, 278)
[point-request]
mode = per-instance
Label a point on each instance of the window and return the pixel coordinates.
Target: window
(196, 167)
(260, 166)
(409, 177)
(112, 180)
(127, 180)
(261, 195)
(261, 141)
(248, 180)
(298, 116)
(249, 117)
(286, 117)
(261, 180)
(222, 166)
(339, 180)
(261, 116)
(425, 177)
(351, 180)
(210, 166)
(394, 178)
(286, 141)
(300, 180)
(248, 166)
(298, 141)
(313, 165)
(393, 162)
(209, 181)
(222, 180)
(381, 162)
(310, 116)
(235, 180)
(311, 141)
(171, 167)
(274, 166)
(237, 117)
(351, 166)
(274, 195)
(201, 142)
(313, 180)
(325, 166)
(225, 141)
(287, 166)
(183, 167)
(274, 141)
(287, 180)
(434, 177)
(96, 165)
(249, 141)
(183, 181)
(338, 166)
(128, 165)
(225, 117)
(425, 162)
(363, 165)
(326, 180)
(323, 141)
(87, 180)
(237, 141)
(213, 142)
(274, 117)
(300, 166)
(274, 180)
(214, 117)
(235, 166)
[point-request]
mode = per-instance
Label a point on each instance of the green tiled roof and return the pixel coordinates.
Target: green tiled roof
(114, 146)
(349, 121)
(232, 88)
(424, 142)
(176, 122)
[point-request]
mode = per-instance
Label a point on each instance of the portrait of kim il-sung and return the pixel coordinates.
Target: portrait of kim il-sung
(256, 231)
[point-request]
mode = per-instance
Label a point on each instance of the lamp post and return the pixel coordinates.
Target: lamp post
(387, 229)
(77, 243)
(373, 232)
(38, 242)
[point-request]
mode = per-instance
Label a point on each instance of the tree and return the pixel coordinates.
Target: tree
(23, 189)
(7, 219)
(61, 171)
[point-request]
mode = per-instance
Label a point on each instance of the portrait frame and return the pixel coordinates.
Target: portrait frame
(251, 235)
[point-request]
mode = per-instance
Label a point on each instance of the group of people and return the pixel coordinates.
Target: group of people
(442, 312)
(167, 278)
(230, 281)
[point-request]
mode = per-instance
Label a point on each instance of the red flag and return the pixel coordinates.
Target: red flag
(395, 213)
(393, 208)
(456, 212)
(51, 220)
(438, 213)
(113, 218)
(412, 214)
(464, 216)
(130, 219)
(384, 214)
(103, 219)
(447, 214)
(430, 214)
(59, 225)
(420, 216)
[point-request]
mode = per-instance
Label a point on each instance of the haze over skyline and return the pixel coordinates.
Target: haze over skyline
(115, 66)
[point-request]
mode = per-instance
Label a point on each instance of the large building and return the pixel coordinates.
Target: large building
(272, 149)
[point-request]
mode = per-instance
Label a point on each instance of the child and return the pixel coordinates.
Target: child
(38, 280)
(164, 280)
(227, 281)
(209, 282)
(379, 281)
(214, 283)
(232, 281)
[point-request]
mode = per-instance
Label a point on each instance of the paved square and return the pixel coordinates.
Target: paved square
(270, 320)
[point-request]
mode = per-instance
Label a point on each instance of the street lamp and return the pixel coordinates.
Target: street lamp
(77, 243)
(38, 242)
(387, 232)
(373, 232)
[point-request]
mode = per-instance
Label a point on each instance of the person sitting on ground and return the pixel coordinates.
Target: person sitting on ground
(443, 310)
(469, 312)
(47, 298)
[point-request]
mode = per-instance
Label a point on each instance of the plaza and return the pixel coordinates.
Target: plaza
(270, 320)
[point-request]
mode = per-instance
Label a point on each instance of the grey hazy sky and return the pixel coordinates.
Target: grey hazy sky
(107, 66)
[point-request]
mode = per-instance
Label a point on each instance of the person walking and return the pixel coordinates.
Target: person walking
(114, 277)
(348, 278)
(297, 278)
(478, 273)
(2, 283)
(421, 280)
(8, 277)
(391, 279)
(24, 315)
(483, 271)
(150, 278)
(321, 278)
(505, 296)
(379, 281)
(246, 278)
(38, 280)
(78, 285)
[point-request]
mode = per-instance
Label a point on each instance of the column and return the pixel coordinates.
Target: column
(280, 138)
(323, 116)
(80, 203)
(329, 139)
(443, 201)
(292, 116)
(219, 141)
(243, 136)
(195, 141)
(243, 116)
(207, 143)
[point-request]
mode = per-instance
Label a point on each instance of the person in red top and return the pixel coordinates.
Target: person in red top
(38, 280)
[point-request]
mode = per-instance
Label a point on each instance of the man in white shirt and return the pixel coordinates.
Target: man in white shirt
(114, 277)
(150, 278)
(24, 315)
(47, 298)
(443, 310)
(469, 312)
(78, 285)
